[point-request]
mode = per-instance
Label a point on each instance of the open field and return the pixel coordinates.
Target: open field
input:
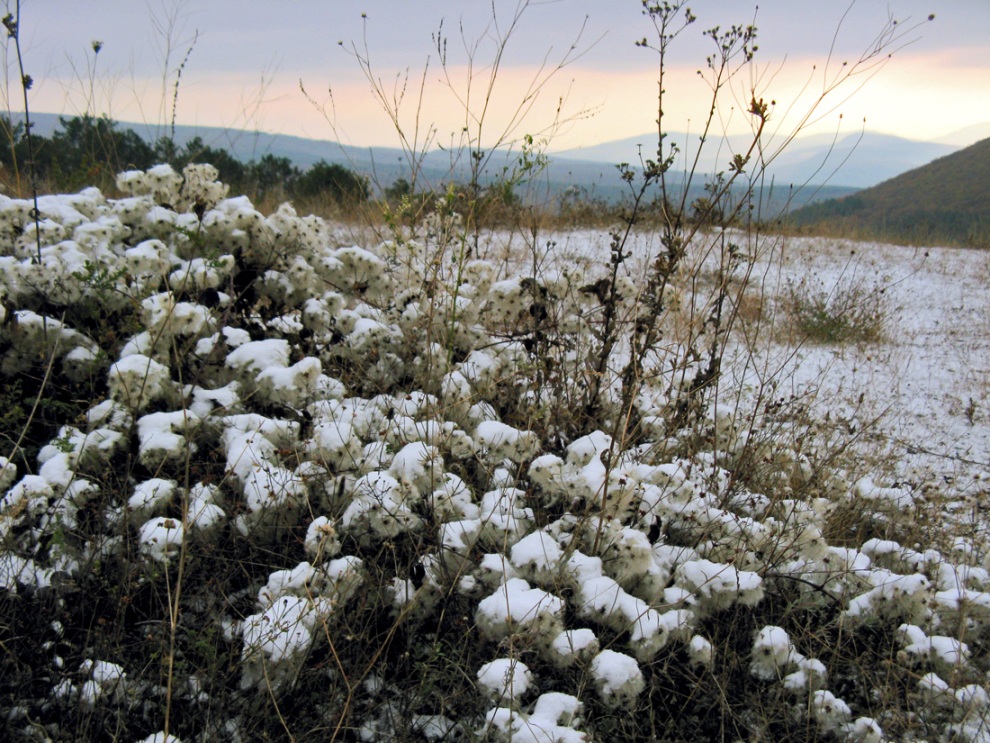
(928, 378)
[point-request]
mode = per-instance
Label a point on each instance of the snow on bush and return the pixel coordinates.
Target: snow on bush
(716, 585)
(161, 538)
(361, 465)
(552, 720)
(515, 606)
(137, 381)
(505, 679)
(617, 677)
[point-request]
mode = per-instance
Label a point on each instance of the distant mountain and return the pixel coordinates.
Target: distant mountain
(946, 201)
(967, 136)
(589, 178)
(383, 165)
(854, 160)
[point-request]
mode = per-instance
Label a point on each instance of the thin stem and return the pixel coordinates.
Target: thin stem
(12, 23)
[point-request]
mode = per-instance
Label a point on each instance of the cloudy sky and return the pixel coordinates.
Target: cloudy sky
(244, 61)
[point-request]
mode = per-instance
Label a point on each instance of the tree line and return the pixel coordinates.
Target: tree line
(90, 151)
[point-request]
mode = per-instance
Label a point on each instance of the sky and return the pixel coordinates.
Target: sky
(246, 64)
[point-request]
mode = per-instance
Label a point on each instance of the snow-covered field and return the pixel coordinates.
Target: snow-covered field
(928, 383)
(322, 491)
(920, 396)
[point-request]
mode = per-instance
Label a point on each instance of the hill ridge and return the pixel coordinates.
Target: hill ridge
(947, 199)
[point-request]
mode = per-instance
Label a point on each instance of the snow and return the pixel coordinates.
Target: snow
(574, 646)
(291, 385)
(271, 488)
(203, 512)
(504, 521)
(896, 498)
(864, 730)
(551, 721)
(103, 679)
(334, 443)
(16, 570)
(277, 637)
(587, 448)
(718, 584)
(503, 441)
(150, 497)
(830, 711)
(257, 357)
(137, 381)
(927, 373)
(321, 538)
(945, 652)
(162, 436)
(617, 678)
(161, 538)
(417, 463)
(701, 651)
(8, 473)
(161, 737)
(505, 680)
(515, 606)
(772, 653)
(538, 552)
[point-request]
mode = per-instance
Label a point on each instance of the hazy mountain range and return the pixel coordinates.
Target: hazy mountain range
(817, 167)
(856, 160)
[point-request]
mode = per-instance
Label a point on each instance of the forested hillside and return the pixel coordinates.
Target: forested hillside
(946, 201)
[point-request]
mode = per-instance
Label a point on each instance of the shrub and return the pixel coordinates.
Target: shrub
(333, 182)
(849, 312)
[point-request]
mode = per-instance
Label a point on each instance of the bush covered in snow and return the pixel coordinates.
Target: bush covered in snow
(371, 492)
